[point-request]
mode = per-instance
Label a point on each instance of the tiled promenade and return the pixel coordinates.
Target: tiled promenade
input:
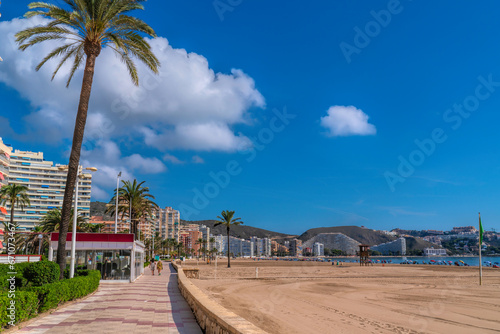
(152, 304)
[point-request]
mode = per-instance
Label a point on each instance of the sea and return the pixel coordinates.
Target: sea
(469, 260)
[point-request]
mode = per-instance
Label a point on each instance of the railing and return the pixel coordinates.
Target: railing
(4, 258)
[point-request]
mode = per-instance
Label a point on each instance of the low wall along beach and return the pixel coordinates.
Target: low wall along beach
(212, 317)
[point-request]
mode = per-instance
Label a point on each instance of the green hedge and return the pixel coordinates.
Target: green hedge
(26, 307)
(19, 283)
(53, 294)
(31, 300)
(19, 268)
(42, 272)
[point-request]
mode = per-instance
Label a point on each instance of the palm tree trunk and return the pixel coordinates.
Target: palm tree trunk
(228, 250)
(12, 203)
(74, 159)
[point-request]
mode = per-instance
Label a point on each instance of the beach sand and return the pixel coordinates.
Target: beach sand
(310, 297)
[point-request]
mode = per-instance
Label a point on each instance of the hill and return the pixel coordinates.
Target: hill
(360, 234)
(413, 243)
(239, 231)
(98, 208)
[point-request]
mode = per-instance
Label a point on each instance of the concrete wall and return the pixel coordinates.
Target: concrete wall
(212, 317)
(334, 241)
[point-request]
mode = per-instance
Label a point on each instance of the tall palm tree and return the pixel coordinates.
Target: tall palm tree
(212, 242)
(16, 196)
(199, 242)
(84, 28)
(227, 220)
(134, 201)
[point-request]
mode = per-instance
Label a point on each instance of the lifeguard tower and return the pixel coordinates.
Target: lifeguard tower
(364, 255)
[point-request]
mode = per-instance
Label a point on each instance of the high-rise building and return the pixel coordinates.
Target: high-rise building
(168, 223)
(295, 247)
(189, 239)
(261, 246)
(318, 249)
(46, 183)
(4, 175)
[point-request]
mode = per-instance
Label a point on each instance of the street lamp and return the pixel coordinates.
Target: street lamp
(75, 214)
(116, 205)
(40, 236)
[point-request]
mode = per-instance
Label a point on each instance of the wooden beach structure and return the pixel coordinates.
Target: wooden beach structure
(364, 255)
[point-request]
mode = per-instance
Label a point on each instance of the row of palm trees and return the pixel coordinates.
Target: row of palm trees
(134, 201)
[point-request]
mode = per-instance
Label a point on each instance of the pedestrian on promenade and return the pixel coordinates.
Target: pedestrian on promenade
(152, 266)
(159, 266)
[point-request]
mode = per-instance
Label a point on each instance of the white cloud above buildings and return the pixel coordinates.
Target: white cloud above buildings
(347, 121)
(187, 106)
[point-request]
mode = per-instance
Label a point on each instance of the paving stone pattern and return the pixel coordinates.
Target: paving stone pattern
(152, 304)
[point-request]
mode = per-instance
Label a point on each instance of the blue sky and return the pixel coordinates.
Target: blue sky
(361, 82)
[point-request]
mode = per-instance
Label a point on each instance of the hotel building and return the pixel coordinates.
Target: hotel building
(46, 183)
(4, 175)
(168, 223)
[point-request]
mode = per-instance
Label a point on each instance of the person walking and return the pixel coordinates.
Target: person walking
(152, 266)
(159, 266)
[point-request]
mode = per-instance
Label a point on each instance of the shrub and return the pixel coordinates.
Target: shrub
(43, 272)
(78, 272)
(26, 306)
(53, 294)
(19, 268)
(19, 283)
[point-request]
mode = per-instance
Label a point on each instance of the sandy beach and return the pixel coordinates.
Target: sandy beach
(309, 297)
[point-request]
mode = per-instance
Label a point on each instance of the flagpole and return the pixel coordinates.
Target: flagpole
(480, 246)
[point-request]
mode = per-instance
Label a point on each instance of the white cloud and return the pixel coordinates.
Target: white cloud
(145, 165)
(196, 159)
(187, 106)
(201, 137)
(347, 121)
(172, 159)
(108, 160)
(98, 194)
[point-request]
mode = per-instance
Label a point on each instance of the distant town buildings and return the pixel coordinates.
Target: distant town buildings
(464, 229)
(436, 232)
(109, 225)
(434, 252)
(435, 239)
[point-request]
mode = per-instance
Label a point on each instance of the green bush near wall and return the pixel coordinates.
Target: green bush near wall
(38, 289)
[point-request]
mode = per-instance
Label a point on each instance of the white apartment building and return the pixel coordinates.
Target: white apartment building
(5, 152)
(46, 183)
(169, 223)
(238, 247)
(318, 249)
(261, 246)
(434, 252)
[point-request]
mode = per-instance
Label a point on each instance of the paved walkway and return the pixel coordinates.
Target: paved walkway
(152, 304)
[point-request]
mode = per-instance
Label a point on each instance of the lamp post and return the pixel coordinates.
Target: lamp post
(75, 214)
(116, 205)
(40, 236)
